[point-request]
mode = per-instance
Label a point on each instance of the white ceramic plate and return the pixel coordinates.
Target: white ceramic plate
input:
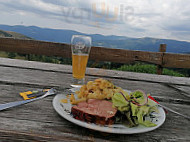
(64, 109)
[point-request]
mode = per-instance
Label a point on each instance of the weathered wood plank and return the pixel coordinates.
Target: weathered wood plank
(57, 69)
(35, 47)
(124, 56)
(64, 50)
(36, 130)
(184, 90)
(176, 60)
(14, 136)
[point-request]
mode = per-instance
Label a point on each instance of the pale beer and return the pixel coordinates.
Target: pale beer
(79, 63)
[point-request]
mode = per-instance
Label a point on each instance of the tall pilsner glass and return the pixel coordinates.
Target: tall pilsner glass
(80, 46)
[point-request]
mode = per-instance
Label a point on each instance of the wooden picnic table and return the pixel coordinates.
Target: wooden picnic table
(38, 121)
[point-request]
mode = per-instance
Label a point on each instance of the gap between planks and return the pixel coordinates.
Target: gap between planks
(99, 75)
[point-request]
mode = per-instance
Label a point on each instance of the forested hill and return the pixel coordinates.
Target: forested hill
(147, 44)
(112, 41)
(13, 35)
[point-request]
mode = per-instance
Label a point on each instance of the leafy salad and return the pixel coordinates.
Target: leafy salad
(133, 108)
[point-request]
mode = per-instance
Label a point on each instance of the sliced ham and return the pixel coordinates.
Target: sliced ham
(95, 111)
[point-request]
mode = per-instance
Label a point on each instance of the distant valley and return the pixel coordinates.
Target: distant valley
(120, 42)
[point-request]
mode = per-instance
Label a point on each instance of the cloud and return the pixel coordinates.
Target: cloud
(32, 6)
(161, 19)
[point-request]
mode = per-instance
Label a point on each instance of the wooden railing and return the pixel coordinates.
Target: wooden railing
(161, 59)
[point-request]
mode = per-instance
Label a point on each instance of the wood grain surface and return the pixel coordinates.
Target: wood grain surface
(38, 121)
(97, 53)
(160, 67)
(64, 50)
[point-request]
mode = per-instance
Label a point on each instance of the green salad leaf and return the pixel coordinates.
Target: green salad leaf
(120, 103)
(134, 113)
(139, 112)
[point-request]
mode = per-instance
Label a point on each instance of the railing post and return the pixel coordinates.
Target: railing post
(28, 57)
(159, 67)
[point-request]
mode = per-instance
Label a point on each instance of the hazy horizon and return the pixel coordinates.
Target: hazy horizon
(155, 19)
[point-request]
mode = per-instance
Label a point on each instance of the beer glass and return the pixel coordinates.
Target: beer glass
(80, 46)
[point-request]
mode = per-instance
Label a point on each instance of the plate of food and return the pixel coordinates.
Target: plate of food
(102, 106)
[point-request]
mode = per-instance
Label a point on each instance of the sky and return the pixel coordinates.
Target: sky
(132, 18)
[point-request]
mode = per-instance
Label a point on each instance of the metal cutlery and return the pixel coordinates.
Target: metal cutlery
(173, 111)
(17, 103)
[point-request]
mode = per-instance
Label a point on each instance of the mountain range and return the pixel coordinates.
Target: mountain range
(112, 41)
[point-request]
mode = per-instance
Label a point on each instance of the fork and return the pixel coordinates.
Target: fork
(17, 103)
(169, 109)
